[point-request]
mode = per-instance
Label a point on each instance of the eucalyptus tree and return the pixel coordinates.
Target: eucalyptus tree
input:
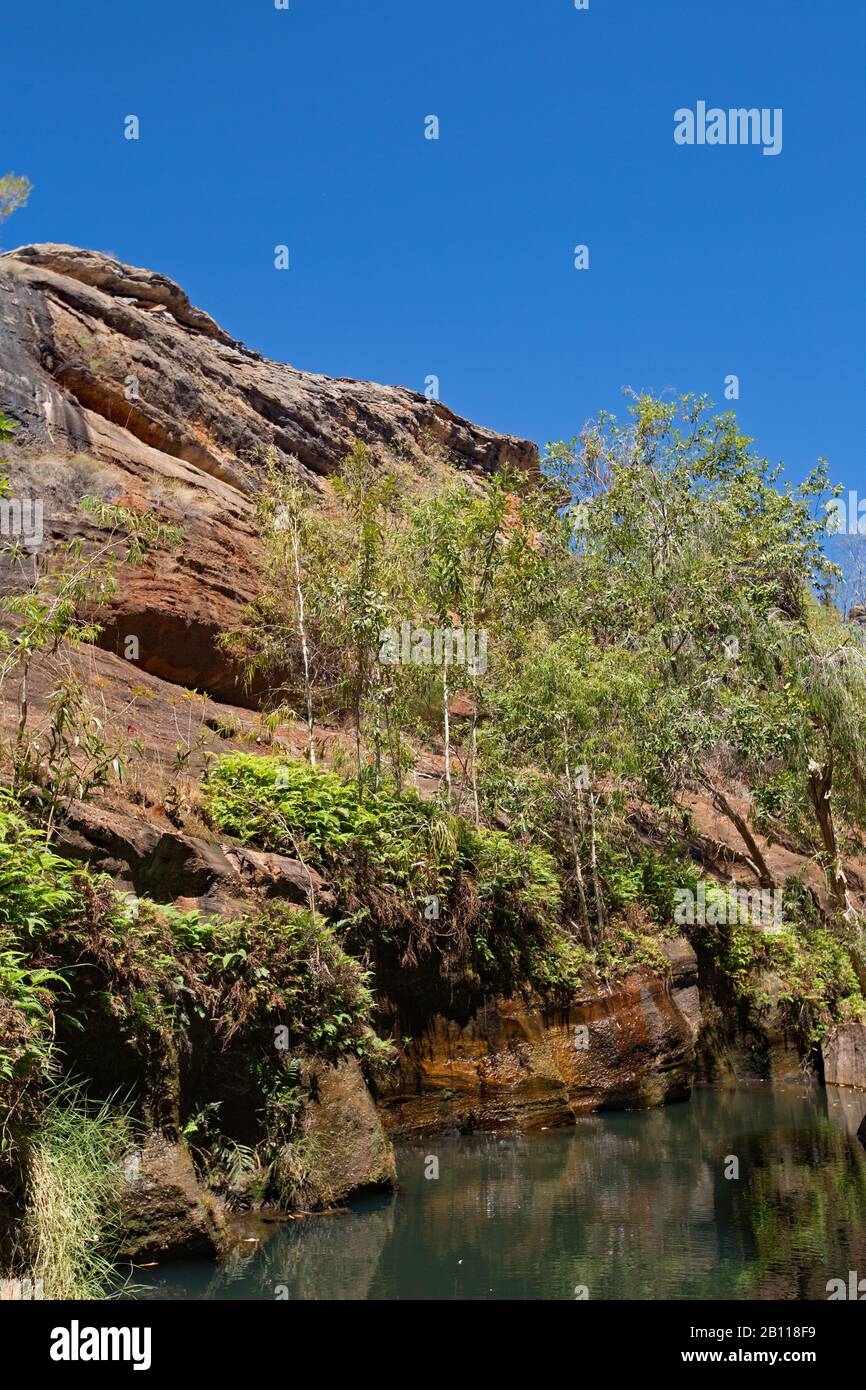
(437, 545)
(369, 507)
(323, 595)
(283, 622)
(692, 553)
(572, 707)
(482, 560)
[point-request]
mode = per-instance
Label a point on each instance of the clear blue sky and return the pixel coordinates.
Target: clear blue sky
(409, 257)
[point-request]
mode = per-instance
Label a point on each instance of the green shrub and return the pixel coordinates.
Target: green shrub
(499, 901)
(645, 877)
(35, 892)
(36, 889)
(803, 966)
(26, 999)
(176, 1009)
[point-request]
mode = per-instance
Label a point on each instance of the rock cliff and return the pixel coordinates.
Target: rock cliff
(125, 390)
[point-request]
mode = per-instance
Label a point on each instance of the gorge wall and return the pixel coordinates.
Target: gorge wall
(122, 389)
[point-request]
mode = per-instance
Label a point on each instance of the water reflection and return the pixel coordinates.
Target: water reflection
(629, 1205)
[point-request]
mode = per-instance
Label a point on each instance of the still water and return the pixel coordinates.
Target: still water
(625, 1205)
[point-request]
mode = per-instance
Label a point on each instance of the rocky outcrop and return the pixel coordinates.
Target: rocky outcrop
(343, 1151)
(124, 390)
(166, 1214)
(151, 856)
(740, 1041)
(515, 1064)
(344, 1145)
(844, 1054)
(90, 323)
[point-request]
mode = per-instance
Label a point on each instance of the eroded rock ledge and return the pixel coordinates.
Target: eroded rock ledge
(519, 1065)
(77, 325)
(125, 390)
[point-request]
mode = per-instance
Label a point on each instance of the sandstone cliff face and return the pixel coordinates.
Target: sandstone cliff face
(125, 390)
(515, 1065)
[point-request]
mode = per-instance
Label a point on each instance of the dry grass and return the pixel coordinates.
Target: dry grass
(74, 1188)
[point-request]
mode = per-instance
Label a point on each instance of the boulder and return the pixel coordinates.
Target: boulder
(844, 1054)
(154, 858)
(183, 865)
(344, 1144)
(166, 1213)
(108, 839)
(280, 876)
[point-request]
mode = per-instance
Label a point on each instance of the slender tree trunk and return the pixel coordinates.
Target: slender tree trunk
(357, 712)
(393, 739)
(820, 787)
(578, 869)
(473, 756)
(741, 825)
(305, 649)
(446, 726)
(596, 881)
(23, 697)
(377, 729)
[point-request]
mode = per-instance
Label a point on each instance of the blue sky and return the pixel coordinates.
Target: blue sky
(412, 257)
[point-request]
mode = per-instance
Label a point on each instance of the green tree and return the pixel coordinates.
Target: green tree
(52, 611)
(14, 192)
(280, 626)
(368, 498)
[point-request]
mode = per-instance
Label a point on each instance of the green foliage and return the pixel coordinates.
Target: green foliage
(15, 189)
(647, 878)
(123, 988)
(655, 632)
(35, 895)
(519, 880)
(287, 969)
(51, 615)
(802, 965)
(389, 855)
(560, 967)
(26, 999)
(35, 883)
(74, 1185)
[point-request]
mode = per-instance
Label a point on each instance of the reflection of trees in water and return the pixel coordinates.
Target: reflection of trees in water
(630, 1205)
(808, 1210)
(325, 1256)
(321, 1256)
(332, 1256)
(608, 1205)
(637, 1206)
(605, 1205)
